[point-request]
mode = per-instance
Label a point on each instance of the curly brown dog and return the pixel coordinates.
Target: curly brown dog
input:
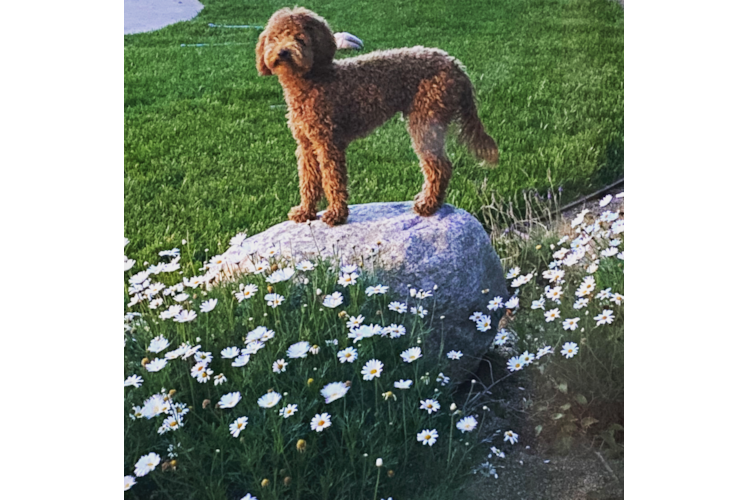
(331, 103)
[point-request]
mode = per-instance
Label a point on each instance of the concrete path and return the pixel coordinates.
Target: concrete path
(149, 15)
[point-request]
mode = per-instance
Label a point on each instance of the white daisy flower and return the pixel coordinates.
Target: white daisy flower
(569, 349)
(128, 265)
(605, 317)
(155, 365)
(538, 304)
(274, 300)
(454, 355)
(617, 298)
(501, 337)
(604, 202)
(185, 316)
(467, 424)
(129, 482)
(496, 452)
(260, 267)
(510, 436)
(527, 358)
(423, 295)
(554, 293)
(134, 380)
(427, 437)
(396, 331)
(219, 379)
(305, 265)
(288, 411)
(495, 303)
(347, 279)
(513, 273)
(208, 305)
(349, 354)
(298, 350)
(484, 323)
(280, 275)
(398, 307)
(410, 355)
(571, 324)
(543, 351)
(241, 360)
(146, 464)
(354, 322)
(352, 268)
(230, 352)
(321, 422)
(552, 315)
(280, 366)
(512, 303)
(158, 344)
(442, 379)
(372, 368)
(246, 292)
(229, 400)
(430, 405)
(333, 300)
(237, 426)
(334, 391)
(581, 303)
(269, 400)
(403, 384)
(515, 364)
(476, 316)
(420, 311)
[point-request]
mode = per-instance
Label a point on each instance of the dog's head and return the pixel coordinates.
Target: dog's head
(294, 43)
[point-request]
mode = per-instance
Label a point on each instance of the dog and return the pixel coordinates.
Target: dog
(331, 103)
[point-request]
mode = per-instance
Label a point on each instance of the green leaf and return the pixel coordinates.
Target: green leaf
(587, 421)
(557, 416)
(566, 406)
(538, 430)
(615, 427)
(581, 399)
(563, 387)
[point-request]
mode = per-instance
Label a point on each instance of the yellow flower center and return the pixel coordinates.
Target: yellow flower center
(373, 372)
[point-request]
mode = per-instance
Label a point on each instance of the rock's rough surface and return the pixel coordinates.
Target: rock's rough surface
(449, 249)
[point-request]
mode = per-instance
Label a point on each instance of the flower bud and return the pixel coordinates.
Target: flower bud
(379, 462)
(301, 446)
(310, 382)
(206, 403)
(390, 473)
(265, 483)
(287, 480)
(413, 292)
(270, 288)
(172, 392)
(452, 407)
(145, 361)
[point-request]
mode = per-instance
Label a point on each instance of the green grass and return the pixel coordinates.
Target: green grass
(206, 156)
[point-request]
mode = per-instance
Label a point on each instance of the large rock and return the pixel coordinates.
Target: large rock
(449, 249)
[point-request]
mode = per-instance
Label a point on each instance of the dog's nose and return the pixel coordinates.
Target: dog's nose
(284, 54)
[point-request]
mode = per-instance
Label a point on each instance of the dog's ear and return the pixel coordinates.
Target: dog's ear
(262, 68)
(324, 45)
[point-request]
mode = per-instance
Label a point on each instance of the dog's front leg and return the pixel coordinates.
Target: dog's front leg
(310, 182)
(334, 180)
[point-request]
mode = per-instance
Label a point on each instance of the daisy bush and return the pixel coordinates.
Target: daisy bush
(565, 337)
(297, 380)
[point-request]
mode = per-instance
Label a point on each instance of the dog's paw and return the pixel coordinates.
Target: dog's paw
(425, 206)
(301, 214)
(335, 215)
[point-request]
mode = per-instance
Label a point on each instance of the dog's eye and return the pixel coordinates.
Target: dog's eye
(301, 41)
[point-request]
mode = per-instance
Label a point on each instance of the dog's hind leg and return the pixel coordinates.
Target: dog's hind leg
(334, 182)
(310, 182)
(428, 137)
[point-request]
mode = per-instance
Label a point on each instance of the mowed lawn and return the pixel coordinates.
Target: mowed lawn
(208, 152)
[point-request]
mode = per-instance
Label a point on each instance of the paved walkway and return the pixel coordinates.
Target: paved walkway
(149, 15)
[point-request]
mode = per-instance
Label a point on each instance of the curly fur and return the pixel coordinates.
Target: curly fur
(331, 103)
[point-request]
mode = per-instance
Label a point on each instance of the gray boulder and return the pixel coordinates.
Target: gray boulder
(449, 249)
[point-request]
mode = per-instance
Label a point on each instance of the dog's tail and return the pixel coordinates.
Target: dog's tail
(472, 133)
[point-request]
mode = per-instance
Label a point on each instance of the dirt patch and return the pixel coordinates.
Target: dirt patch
(525, 475)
